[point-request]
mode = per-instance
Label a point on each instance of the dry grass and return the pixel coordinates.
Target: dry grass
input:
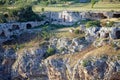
(69, 35)
(90, 51)
(112, 19)
(80, 7)
(64, 32)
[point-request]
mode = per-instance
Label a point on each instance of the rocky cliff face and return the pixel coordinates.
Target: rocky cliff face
(80, 60)
(7, 58)
(89, 65)
(66, 67)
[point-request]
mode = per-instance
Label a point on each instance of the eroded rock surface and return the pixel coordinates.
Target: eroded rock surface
(101, 68)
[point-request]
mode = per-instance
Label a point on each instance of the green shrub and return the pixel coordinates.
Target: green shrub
(92, 23)
(110, 24)
(24, 14)
(42, 9)
(50, 51)
(2, 18)
(85, 63)
(107, 23)
(77, 31)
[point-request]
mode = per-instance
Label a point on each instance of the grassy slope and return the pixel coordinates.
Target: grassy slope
(79, 7)
(101, 6)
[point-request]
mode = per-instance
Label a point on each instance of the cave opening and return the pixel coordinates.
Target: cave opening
(98, 34)
(28, 26)
(116, 15)
(106, 35)
(117, 34)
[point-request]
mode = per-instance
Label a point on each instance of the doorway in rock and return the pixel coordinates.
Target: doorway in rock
(2, 35)
(106, 35)
(28, 26)
(117, 34)
(116, 15)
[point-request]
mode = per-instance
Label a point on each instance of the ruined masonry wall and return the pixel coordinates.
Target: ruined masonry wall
(9, 29)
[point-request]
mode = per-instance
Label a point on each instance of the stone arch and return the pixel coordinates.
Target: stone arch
(6, 15)
(47, 22)
(2, 34)
(15, 27)
(28, 26)
(117, 34)
(116, 15)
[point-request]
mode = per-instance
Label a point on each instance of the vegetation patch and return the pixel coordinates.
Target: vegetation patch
(85, 63)
(107, 23)
(93, 24)
(50, 51)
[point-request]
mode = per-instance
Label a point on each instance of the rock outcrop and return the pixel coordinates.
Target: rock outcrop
(60, 68)
(30, 64)
(66, 45)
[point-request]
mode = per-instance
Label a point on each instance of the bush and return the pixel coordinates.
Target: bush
(24, 14)
(108, 23)
(50, 51)
(42, 9)
(92, 23)
(2, 18)
(85, 63)
(77, 31)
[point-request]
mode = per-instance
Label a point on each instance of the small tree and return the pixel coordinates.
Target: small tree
(42, 9)
(93, 2)
(77, 31)
(50, 51)
(92, 23)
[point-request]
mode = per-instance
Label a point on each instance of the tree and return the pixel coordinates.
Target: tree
(93, 2)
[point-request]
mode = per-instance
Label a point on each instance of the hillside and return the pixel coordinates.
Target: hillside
(59, 39)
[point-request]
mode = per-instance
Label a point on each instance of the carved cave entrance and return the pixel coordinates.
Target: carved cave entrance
(118, 34)
(116, 15)
(28, 26)
(106, 35)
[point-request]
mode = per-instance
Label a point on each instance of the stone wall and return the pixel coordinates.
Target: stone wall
(70, 17)
(7, 30)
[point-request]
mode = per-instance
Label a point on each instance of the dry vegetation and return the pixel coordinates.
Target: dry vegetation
(90, 51)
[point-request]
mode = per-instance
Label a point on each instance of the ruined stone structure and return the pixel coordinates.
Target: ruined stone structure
(102, 32)
(69, 17)
(112, 33)
(7, 30)
(64, 17)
